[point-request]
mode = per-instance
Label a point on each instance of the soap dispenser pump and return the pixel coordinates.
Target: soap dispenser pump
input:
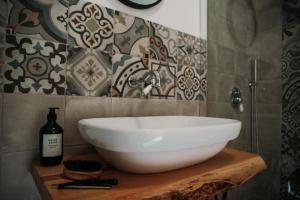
(51, 141)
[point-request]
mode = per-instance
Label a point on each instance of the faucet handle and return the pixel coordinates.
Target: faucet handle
(236, 99)
(133, 81)
(152, 78)
(236, 96)
(236, 92)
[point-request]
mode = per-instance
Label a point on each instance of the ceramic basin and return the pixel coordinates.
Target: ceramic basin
(158, 144)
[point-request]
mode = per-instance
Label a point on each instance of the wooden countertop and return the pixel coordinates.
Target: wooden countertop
(227, 170)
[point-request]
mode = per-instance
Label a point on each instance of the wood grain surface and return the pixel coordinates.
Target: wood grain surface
(225, 171)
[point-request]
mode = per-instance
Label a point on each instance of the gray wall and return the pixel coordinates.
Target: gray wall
(237, 32)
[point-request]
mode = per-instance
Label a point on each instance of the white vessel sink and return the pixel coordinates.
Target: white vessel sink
(157, 144)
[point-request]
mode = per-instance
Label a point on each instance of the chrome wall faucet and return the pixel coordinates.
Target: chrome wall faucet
(148, 81)
(236, 99)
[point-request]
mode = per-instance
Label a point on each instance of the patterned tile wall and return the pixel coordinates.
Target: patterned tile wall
(38, 19)
(124, 66)
(90, 26)
(163, 43)
(291, 94)
(167, 73)
(131, 35)
(34, 66)
(88, 72)
(83, 49)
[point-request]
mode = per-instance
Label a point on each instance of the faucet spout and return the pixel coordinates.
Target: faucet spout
(147, 89)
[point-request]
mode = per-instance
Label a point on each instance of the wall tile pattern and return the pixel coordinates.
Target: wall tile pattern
(88, 72)
(163, 43)
(76, 51)
(168, 76)
(38, 19)
(123, 67)
(34, 66)
(189, 84)
(90, 26)
(131, 35)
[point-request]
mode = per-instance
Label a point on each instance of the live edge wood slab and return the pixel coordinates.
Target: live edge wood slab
(227, 170)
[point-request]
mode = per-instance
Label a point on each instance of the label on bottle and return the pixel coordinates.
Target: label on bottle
(52, 145)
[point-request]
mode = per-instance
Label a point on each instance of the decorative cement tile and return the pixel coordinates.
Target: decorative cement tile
(90, 26)
(192, 67)
(123, 67)
(45, 20)
(88, 72)
(203, 88)
(167, 74)
(163, 43)
(189, 48)
(131, 35)
(189, 84)
(34, 66)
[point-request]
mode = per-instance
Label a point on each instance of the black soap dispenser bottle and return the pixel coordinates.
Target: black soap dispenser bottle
(51, 141)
